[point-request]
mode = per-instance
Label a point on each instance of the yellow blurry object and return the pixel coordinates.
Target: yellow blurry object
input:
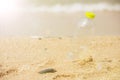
(90, 15)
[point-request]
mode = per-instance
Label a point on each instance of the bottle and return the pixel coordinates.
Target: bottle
(85, 25)
(85, 28)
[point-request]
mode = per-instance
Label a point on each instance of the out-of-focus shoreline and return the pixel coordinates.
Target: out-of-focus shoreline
(74, 7)
(63, 2)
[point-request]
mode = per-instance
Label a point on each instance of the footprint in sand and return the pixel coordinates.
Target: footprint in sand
(7, 72)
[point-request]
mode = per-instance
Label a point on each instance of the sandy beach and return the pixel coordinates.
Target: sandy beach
(59, 39)
(96, 58)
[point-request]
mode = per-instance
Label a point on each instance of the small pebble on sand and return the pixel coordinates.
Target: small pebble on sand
(45, 49)
(49, 70)
(59, 37)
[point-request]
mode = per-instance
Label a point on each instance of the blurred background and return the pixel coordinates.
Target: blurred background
(57, 17)
(52, 2)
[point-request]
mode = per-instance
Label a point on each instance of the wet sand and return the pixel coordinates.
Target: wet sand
(58, 24)
(96, 58)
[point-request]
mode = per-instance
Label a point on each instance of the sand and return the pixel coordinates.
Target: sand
(96, 58)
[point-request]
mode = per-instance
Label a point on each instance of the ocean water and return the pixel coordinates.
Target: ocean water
(53, 2)
(72, 5)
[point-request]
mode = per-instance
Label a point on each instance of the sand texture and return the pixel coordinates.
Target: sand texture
(65, 58)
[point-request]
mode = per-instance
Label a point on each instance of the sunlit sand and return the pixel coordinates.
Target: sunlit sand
(95, 58)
